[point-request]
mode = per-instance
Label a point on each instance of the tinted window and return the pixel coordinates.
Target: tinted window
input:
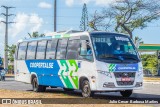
(73, 49)
(41, 50)
(31, 50)
(114, 48)
(22, 51)
(51, 49)
(61, 50)
(86, 50)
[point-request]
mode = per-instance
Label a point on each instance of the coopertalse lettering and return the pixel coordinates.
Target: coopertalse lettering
(41, 65)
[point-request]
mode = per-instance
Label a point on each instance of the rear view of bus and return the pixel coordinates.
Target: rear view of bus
(118, 64)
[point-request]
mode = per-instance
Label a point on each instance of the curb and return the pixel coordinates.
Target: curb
(9, 76)
(151, 82)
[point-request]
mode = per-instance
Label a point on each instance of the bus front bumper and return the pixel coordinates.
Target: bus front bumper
(111, 87)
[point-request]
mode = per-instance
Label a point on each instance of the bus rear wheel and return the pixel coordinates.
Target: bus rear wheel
(126, 93)
(36, 87)
(86, 90)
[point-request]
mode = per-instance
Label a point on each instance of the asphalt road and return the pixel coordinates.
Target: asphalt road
(150, 90)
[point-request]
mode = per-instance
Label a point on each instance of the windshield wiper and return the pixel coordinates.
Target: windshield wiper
(111, 57)
(133, 58)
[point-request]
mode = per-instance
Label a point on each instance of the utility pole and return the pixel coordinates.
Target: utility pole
(6, 35)
(55, 15)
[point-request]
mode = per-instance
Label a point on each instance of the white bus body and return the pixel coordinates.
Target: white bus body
(80, 60)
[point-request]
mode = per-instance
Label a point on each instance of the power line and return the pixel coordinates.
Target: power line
(6, 22)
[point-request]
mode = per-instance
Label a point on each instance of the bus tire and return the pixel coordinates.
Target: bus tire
(126, 93)
(86, 90)
(36, 87)
(68, 89)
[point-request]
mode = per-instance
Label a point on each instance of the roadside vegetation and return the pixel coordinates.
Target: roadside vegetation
(150, 63)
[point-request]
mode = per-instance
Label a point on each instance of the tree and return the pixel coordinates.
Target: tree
(138, 41)
(98, 22)
(35, 35)
(11, 50)
(150, 62)
(84, 19)
(128, 15)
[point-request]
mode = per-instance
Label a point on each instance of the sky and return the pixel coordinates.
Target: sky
(38, 15)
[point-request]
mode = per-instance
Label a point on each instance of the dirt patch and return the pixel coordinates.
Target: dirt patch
(23, 94)
(19, 94)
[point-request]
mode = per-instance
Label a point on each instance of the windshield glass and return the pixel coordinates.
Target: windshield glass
(114, 47)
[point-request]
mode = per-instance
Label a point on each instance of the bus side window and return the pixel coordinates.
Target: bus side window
(31, 51)
(21, 54)
(41, 50)
(51, 49)
(73, 49)
(62, 48)
(86, 50)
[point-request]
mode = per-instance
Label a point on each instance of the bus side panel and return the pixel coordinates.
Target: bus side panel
(47, 71)
(21, 72)
(57, 73)
(88, 70)
(68, 73)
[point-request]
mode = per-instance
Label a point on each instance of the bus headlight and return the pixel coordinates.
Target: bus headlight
(140, 69)
(108, 74)
(140, 73)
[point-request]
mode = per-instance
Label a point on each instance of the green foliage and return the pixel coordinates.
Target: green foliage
(35, 35)
(11, 51)
(10, 67)
(149, 61)
(127, 15)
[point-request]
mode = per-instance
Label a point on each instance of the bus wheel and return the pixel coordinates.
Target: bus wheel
(68, 89)
(126, 93)
(36, 87)
(86, 90)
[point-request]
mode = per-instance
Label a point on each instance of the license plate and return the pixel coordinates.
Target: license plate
(125, 79)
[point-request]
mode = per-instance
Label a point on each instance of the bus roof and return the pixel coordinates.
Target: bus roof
(103, 32)
(56, 35)
(64, 34)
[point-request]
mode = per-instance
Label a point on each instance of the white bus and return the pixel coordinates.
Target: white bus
(86, 61)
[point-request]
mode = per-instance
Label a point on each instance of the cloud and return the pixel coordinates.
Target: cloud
(96, 2)
(104, 2)
(25, 23)
(69, 2)
(85, 1)
(44, 5)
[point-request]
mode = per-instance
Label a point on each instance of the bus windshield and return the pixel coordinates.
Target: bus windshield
(114, 47)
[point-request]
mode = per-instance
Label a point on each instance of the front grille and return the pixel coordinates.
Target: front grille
(124, 74)
(120, 75)
(121, 83)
